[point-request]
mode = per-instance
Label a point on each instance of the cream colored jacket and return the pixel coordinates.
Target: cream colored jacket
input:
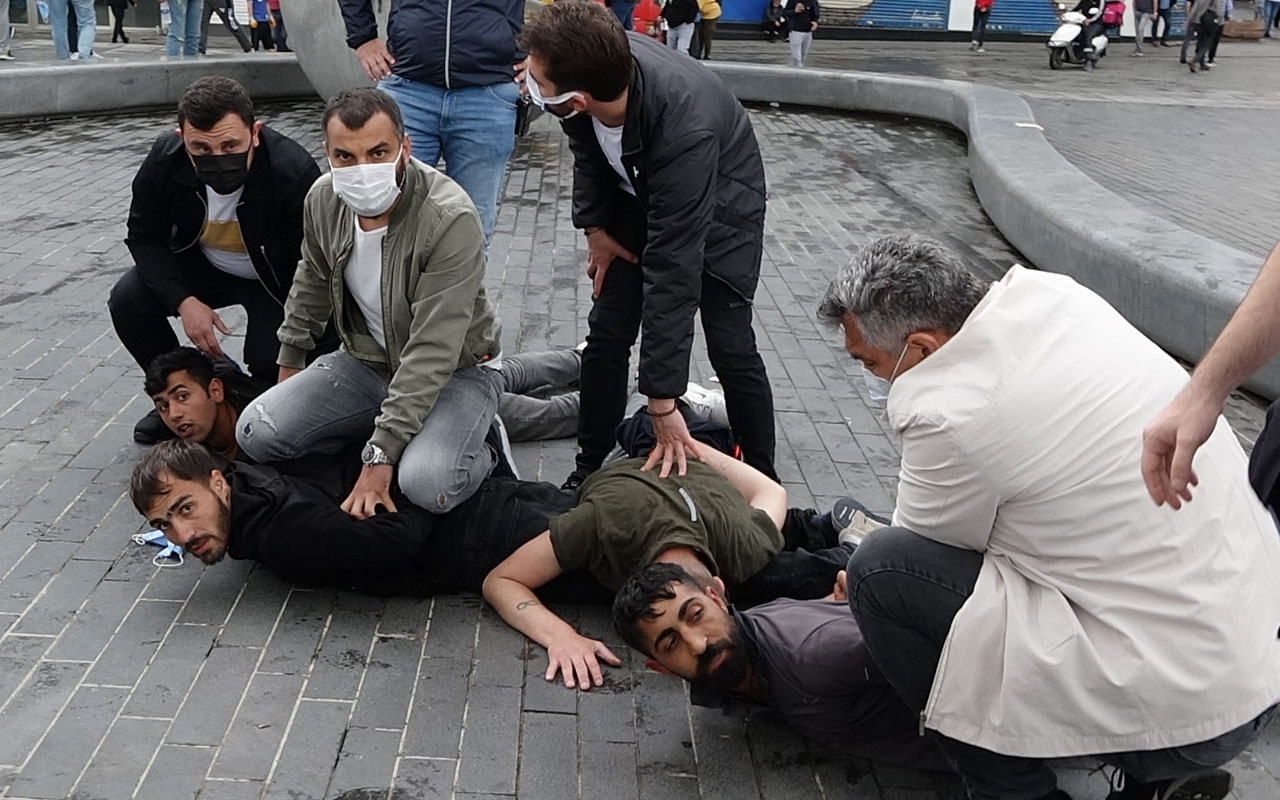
(1100, 623)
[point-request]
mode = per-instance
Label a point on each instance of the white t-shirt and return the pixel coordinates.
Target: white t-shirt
(363, 277)
(611, 143)
(220, 240)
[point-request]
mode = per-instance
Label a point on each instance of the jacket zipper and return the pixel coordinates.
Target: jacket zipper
(200, 233)
(448, 41)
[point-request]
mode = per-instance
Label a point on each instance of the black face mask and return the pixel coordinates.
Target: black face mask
(223, 174)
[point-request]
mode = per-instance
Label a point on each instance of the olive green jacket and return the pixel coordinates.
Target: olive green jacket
(436, 316)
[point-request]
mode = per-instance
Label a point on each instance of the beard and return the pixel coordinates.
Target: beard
(217, 539)
(733, 671)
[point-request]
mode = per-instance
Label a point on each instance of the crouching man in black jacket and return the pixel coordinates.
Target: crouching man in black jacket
(668, 185)
(287, 517)
(215, 221)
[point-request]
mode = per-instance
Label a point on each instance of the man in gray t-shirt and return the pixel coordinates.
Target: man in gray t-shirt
(805, 659)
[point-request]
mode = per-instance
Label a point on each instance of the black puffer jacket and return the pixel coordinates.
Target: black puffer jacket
(692, 158)
(449, 43)
(168, 212)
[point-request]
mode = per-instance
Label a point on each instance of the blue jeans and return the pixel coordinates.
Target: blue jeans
(1269, 11)
(85, 21)
(623, 10)
(333, 403)
(472, 128)
(904, 591)
(184, 27)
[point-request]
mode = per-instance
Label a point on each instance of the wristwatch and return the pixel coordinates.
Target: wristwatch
(373, 455)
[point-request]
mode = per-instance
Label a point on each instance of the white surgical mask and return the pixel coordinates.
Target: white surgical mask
(877, 387)
(369, 189)
(535, 94)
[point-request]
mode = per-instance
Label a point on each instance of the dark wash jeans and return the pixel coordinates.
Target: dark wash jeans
(905, 591)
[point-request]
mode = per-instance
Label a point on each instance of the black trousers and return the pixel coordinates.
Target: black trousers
(142, 321)
(261, 35)
(118, 31)
(1161, 14)
(905, 591)
(612, 328)
(227, 14)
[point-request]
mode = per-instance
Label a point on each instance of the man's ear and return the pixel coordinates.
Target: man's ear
(217, 392)
(218, 483)
(927, 341)
(658, 668)
(256, 130)
(718, 592)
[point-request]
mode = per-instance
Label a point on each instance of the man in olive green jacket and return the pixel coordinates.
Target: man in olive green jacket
(393, 253)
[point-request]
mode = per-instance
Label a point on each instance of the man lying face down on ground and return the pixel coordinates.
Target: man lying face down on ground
(287, 516)
(722, 516)
(804, 659)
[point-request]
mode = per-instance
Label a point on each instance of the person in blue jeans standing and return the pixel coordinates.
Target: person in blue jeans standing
(85, 21)
(451, 67)
(1160, 35)
(184, 27)
(623, 10)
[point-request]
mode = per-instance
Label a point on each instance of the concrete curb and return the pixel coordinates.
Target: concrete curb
(1177, 287)
(66, 89)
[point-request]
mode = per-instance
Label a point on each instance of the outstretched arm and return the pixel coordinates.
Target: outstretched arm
(509, 589)
(1250, 339)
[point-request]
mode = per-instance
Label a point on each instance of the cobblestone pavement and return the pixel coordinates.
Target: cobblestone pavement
(121, 680)
(1196, 149)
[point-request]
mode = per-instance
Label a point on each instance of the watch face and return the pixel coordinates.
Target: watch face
(367, 455)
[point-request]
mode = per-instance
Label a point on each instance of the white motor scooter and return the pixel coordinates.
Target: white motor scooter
(1065, 45)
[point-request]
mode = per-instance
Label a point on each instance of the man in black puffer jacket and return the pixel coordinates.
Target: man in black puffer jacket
(451, 66)
(668, 185)
(215, 221)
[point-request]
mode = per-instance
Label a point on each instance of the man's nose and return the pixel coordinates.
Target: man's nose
(697, 643)
(180, 532)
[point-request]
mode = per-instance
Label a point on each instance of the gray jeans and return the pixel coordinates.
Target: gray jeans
(5, 30)
(1143, 20)
(333, 403)
(800, 42)
(540, 395)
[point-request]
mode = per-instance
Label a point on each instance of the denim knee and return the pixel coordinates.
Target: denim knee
(438, 484)
(258, 435)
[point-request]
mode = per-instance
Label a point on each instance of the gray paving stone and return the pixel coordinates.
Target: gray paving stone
(206, 713)
(164, 685)
(490, 743)
(230, 790)
(256, 610)
(18, 655)
(608, 769)
(127, 654)
(724, 755)
(388, 684)
(63, 595)
(340, 662)
(258, 728)
(367, 761)
(212, 599)
(56, 764)
(453, 627)
(310, 751)
(176, 773)
(118, 766)
(405, 616)
(439, 708)
(96, 621)
(28, 577)
(499, 653)
(548, 758)
(425, 779)
(293, 643)
(34, 707)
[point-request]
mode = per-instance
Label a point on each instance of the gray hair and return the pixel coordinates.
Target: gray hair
(901, 284)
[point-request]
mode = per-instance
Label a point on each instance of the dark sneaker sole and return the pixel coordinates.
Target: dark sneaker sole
(1212, 786)
(844, 509)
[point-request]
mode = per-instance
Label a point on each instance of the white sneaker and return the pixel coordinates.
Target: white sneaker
(75, 56)
(707, 403)
(7, 57)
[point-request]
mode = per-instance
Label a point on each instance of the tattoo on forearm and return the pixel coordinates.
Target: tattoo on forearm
(525, 604)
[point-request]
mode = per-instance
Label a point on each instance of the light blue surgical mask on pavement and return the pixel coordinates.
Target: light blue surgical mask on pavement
(167, 548)
(877, 387)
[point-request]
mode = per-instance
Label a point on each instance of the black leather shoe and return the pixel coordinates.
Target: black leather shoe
(151, 429)
(574, 480)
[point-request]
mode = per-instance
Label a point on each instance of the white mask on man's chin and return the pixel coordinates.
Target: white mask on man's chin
(369, 189)
(535, 95)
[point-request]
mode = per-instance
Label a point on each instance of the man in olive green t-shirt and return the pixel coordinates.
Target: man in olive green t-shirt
(721, 518)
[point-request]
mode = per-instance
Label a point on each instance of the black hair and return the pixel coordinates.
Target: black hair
(640, 593)
(176, 458)
(355, 107)
(211, 98)
(581, 46)
(181, 359)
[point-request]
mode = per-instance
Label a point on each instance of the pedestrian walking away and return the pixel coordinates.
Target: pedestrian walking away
(117, 12)
(225, 9)
(981, 13)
